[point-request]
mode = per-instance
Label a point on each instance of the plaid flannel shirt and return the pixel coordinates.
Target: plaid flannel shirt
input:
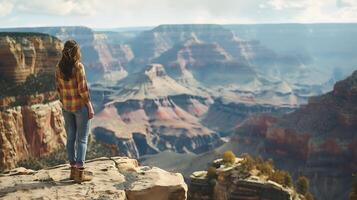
(73, 93)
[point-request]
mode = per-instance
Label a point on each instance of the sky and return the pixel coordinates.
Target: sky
(133, 13)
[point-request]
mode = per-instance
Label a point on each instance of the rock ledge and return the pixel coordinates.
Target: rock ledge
(114, 178)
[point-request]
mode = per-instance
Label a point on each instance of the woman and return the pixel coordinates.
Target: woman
(77, 109)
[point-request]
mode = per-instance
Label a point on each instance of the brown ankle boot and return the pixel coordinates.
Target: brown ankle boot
(81, 175)
(72, 174)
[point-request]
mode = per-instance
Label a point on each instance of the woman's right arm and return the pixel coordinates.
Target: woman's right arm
(83, 90)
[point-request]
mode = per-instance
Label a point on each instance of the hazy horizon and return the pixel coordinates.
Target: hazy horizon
(137, 13)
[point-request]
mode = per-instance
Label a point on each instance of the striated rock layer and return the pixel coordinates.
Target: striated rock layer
(99, 52)
(236, 182)
(23, 54)
(30, 131)
(317, 140)
(140, 127)
(114, 178)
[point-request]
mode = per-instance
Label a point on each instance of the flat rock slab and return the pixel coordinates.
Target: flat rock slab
(114, 178)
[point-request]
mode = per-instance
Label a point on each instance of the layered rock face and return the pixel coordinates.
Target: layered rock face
(210, 56)
(113, 178)
(317, 140)
(226, 116)
(140, 127)
(99, 52)
(30, 131)
(209, 63)
(35, 126)
(149, 112)
(174, 44)
(23, 54)
(236, 182)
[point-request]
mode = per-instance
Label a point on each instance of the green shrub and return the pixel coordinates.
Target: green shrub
(211, 173)
(302, 185)
(282, 177)
(229, 157)
(353, 194)
(40, 83)
(248, 162)
(265, 168)
(309, 196)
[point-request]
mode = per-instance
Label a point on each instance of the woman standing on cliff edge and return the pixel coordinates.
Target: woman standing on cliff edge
(77, 109)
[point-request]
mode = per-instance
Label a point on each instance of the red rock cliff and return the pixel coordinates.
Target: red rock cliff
(30, 131)
(23, 54)
(33, 128)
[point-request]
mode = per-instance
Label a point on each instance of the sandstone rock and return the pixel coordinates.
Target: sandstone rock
(114, 178)
(27, 131)
(157, 184)
(23, 54)
(100, 53)
(236, 183)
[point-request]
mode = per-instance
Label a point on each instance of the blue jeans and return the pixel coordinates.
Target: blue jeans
(77, 128)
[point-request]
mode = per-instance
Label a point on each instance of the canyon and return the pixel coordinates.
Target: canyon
(317, 140)
(189, 92)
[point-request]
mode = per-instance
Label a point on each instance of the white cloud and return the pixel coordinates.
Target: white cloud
(56, 7)
(6, 7)
(328, 11)
(287, 4)
(113, 13)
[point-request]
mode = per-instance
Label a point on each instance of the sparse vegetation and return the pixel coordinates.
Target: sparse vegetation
(302, 185)
(282, 177)
(229, 157)
(309, 196)
(266, 168)
(211, 173)
(40, 83)
(248, 162)
(353, 194)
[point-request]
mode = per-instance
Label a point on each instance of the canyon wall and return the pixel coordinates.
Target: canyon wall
(317, 140)
(23, 54)
(31, 123)
(30, 131)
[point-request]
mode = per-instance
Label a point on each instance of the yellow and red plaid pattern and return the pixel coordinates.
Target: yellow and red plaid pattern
(73, 93)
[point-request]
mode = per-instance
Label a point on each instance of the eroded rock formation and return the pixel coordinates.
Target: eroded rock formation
(23, 54)
(140, 127)
(30, 131)
(317, 140)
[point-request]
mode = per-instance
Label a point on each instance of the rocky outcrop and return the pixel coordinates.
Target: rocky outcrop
(30, 131)
(235, 182)
(23, 54)
(114, 178)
